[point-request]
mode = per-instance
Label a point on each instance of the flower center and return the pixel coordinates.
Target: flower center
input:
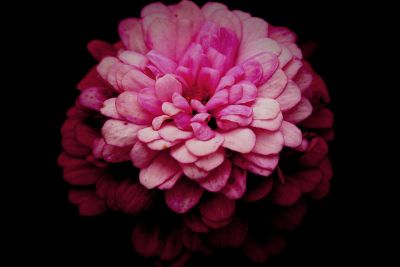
(198, 93)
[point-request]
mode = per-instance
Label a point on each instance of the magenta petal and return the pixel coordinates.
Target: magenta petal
(267, 162)
(265, 109)
(249, 92)
(290, 96)
(208, 79)
(171, 133)
(217, 208)
(286, 194)
(183, 196)
(135, 80)
(193, 221)
(268, 143)
(260, 190)
(108, 109)
(141, 155)
(148, 100)
(274, 86)
(182, 154)
(291, 134)
(171, 181)
(241, 140)
(88, 202)
(320, 119)
(198, 106)
(253, 71)
(299, 112)
(193, 172)
(292, 68)
(182, 120)
(203, 148)
(202, 131)
(166, 86)
(160, 169)
(93, 97)
(114, 154)
(236, 185)
(316, 151)
(100, 49)
(269, 63)
(128, 106)
(119, 133)
(282, 35)
(211, 161)
(217, 178)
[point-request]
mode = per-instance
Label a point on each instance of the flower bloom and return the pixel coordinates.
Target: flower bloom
(207, 107)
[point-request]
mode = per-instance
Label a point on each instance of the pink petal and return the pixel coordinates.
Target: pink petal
(134, 59)
(269, 63)
(131, 33)
(161, 36)
(163, 63)
(316, 151)
(183, 196)
(267, 162)
(160, 169)
(100, 49)
(182, 154)
(141, 155)
(217, 178)
(93, 97)
(303, 79)
(217, 61)
(268, 143)
(282, 35)
(119, 133)
(241, 140)
(217, 208)
(253, 71)
(253, 29)
(285, 57)
(171, 181)
(202, 131)
(155, 8)
(227, 19)
(256, 47)
(291, 134)
(209, 8)
(85, 134)
(108, 109)
(157, 122)
(299, 112)
(198, 106)
(265, 109)
(180, 102)
(169, 109)
(161, 144)
(128, 106)
(136, 80)
(240, 120)
(208, 79)
(211, 161)
(166, 86)
(203, 148)
(148, 134)
(249, 92)
(91, 79)
(274, 86)
(105, 65)
(218, 99)
(193, 172)
(292, 68)
(290, 96)
(270, 125)
(148, 101)
(171, 133)
(182, 120)
(241, 110)
(236, 185)
(295, 50)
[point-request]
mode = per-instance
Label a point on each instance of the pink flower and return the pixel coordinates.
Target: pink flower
(197, 97)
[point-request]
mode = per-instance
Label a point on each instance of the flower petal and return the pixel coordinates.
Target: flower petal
(109, 109)
(217, 178)
(291, 134)
(236, 185)
(166, 86)
(128, 106)
(203, 148)
(182, 154)
(193, 172)
(258, 46)
(274, 86)
(148, 101)
(211, 161)
(299, 112)
(268, 143)
(217, 208)
(265, 109)
(183, 196)
(141, 156)
(290, 96)
(131, 34)
(119, 133)
(241, 140)
(171, 133)
(160, 169)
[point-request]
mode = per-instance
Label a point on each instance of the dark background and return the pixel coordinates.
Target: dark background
(341, 229)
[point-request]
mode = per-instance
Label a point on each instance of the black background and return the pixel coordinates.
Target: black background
(342, 229)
